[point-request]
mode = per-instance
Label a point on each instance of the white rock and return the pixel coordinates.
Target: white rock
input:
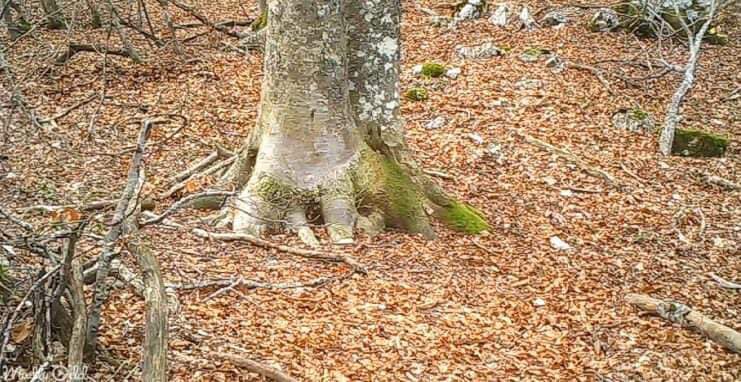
(526, 20)
(476, 138)
(435, 124)
(417, 69)
(484, 50)
(500, 16)
(559, 244)
(539, 302)
(567, 193)
(549, 180)
(453, 73)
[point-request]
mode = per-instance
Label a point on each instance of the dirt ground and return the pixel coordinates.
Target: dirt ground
(500, 306)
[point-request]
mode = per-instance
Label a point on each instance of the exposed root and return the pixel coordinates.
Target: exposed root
(309, 254)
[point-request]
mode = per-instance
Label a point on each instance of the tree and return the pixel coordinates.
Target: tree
(329, 132)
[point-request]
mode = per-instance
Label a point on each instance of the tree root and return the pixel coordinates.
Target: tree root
(683, 315)
(309, 254)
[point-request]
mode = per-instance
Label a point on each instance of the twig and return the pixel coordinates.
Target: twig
(724, 283)
(9, 323)
(438, 174)
(683, 315)
(306, 253)
(68, 110)
(253, 366)
(722, 182)
(15, 220)
(596, 72)
(215, 168)
(569, 157)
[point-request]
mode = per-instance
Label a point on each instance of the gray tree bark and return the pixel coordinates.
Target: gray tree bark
(329, 135)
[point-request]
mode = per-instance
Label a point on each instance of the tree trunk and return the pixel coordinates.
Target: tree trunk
(329, 131)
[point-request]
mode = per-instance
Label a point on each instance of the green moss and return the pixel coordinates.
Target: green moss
(277, 193)
(416, 94)
(404, 200)
(715, 37)
(432, 69)
(638, 114)
(696, 143)
(464, 218)
(260, 22)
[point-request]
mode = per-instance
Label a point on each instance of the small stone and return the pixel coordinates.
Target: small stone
(500, 16)
(634, 119)
(453, 73)
(529, 84)
(534, 54)
(566, 193)
(539, 302)
(555, 18)
(559, 244)
(476, 138)
(604, 20)
(435, 123)
(549, 180)
(417, 70)
(472, 9)
(555, 63)
(526, 20)
(440, 21)
(482, 51)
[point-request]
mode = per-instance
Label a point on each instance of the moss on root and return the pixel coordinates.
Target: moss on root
(260, 22)
(696, 143)
(463, 218)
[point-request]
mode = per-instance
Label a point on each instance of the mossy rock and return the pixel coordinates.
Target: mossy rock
(534, 54)
(696, 143)
(416, 94)
(463, 218)
(432, 69)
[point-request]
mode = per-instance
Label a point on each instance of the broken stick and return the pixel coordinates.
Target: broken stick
(685, 316)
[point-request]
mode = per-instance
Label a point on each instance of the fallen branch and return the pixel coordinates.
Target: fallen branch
(596, 72)
(306, 253)
(683, 315)
(154, 355)
(570, 157)
(254, 366)
(724, 283)
(73, 49)
(182, 203)
(215, 168)
(124, 209)
(721, 182)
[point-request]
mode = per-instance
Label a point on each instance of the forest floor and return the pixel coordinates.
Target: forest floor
(500, 306)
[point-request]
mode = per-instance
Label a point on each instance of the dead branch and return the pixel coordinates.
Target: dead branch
(666, 140)
(724, 283)
(17, 221)
(68, 110)
(253, 366)
(92, 206)
(223, 28)
(14, 315)
(596, 72)
(184, 202)
(196, 167)
(76, 345)
(306, 253)
(684, 316)
(154, 354)
(215, 168)
(596, 172)
(721, 182)
(73, 49)
(124, 209)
